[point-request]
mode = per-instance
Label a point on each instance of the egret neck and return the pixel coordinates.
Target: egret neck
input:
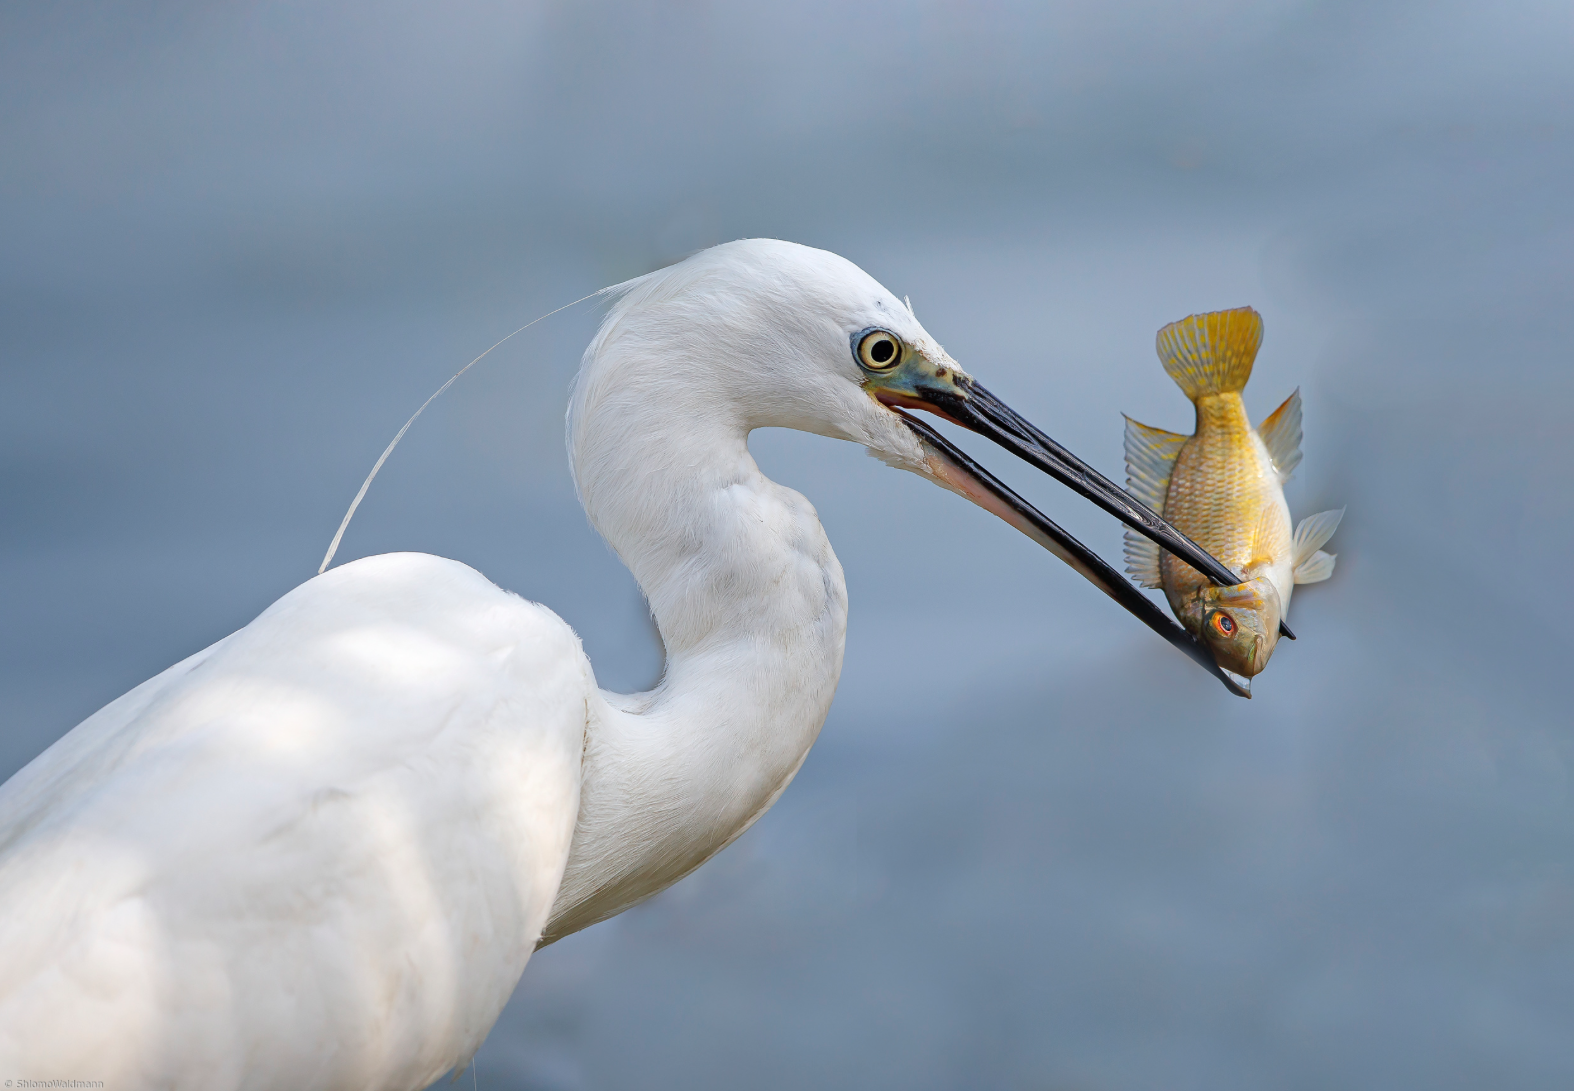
(752, 608)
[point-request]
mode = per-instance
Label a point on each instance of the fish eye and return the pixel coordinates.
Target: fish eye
(1224, 623)
(879, 350)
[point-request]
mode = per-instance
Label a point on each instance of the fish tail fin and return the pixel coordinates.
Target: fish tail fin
(1211, 353)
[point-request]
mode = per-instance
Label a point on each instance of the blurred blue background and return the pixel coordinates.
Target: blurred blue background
(242, 242)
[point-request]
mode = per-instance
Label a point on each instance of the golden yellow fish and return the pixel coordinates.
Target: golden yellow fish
(1223, 487)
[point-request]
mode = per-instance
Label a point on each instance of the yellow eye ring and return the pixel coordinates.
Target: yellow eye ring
(1224, 624)
(879, 350)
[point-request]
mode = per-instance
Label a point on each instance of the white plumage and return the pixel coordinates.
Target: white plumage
(319, 853)
(321, 849)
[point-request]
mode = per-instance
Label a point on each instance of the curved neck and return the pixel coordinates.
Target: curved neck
(752, 608)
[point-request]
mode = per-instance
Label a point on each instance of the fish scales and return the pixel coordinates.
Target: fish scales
(1226, 495)
(1223, 486)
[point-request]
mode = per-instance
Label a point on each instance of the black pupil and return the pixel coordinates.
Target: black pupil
(882, 350)
(1226, 624)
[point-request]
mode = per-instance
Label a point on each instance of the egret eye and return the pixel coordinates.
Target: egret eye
(879, 350)
(1224, 623)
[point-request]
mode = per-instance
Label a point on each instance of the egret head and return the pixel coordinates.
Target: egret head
(761, 333)
(755, 334)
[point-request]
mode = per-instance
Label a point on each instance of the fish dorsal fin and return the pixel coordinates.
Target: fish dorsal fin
(1211, 353)
(1281, 434)
(1150, 456)
(1310, 535)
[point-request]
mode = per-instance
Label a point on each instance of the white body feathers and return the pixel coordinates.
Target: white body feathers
(319, 853)
(321, 848)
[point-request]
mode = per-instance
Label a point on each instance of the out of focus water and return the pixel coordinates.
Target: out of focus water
(242, 243)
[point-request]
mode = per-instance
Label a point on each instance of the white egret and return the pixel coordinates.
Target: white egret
(319, 853)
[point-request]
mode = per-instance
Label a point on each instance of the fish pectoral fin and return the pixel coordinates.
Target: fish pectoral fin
(1281, 434)
(1150, 457)
(1311, 534)
(1316, 568)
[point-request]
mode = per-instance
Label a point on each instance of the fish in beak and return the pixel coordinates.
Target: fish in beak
(904, 378)
(1225, 485)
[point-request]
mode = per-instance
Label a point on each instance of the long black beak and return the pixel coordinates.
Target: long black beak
(972, 406)
(975, 408)
(962, 473)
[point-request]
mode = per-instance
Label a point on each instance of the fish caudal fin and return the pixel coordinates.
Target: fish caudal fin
(1312, 565)
(1150, 457)
(1211, 353)
(1281, 434)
